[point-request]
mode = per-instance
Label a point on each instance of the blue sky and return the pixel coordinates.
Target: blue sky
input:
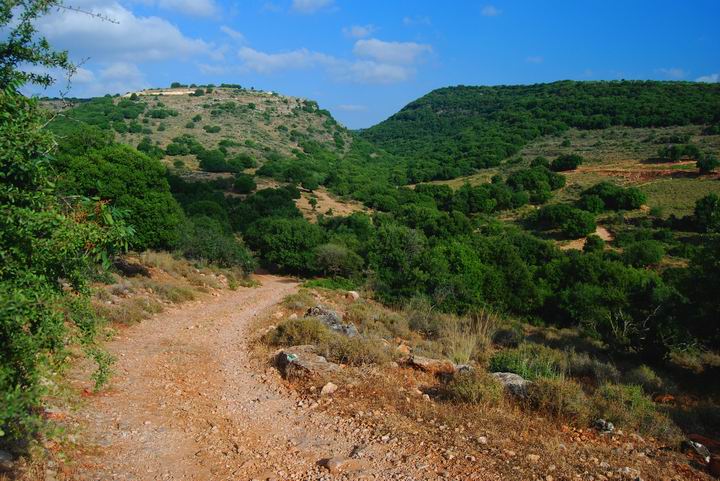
(365, 59)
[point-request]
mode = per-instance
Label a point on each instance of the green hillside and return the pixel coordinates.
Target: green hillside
(452, 131)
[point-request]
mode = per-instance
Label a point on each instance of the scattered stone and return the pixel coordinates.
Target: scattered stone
(403, 349)
(353, 295)
(603, 426)
(328, 389)
(533, 458)
(433, 366)
(342, 464)
(331, 319)
(482, 440)
(514, 384)
(6, 461)
(697, 449)
(293, 316)
(303, 360)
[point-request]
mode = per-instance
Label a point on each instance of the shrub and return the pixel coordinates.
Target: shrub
(615, 197)
(707, 164)
(593, 243)
(476, 388)
(244, 183)
(629, 407)
(531, 361)
(643, 253)
(644, 377)
(211, 129)
(301, 300)
(355, 351)
(287, 243)
(296, 332)
(582, 365)
(561, 399)
(572, 222)
(205, 238)
(566, 162)
(707, 213)
(337, 260)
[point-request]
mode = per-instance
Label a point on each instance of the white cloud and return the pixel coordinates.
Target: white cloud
(195, 8)
(711, 78)
(416, 20)
(127, 38)
(311, 6)
(490, 11)
(83, 76)
(391, 52)
(381, 66)
(266, 63)
(359, 31)
(535, 59)
(674, 72)
(351, 108)
(232, 33)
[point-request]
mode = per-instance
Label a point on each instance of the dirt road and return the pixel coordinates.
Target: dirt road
(187, 402)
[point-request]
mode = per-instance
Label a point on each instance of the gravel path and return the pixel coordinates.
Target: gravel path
(187, 402)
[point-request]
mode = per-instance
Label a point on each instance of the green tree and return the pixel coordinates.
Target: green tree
(287, 243)
(707, 213)
(707, 164)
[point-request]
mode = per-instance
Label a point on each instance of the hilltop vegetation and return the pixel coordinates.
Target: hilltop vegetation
(452, 131)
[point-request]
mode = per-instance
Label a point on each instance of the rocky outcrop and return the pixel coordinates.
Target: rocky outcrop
(303, 361)
(514, 384)
(331, 319)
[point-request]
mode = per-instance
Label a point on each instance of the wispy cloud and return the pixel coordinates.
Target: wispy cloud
(311, 6)
(351, 108)
(359, 31)
(417, 20)
(196, 8)
(404, 53)
(710, 78)
(490, 11)
(535, 59)
(673, 72)
(232, 33)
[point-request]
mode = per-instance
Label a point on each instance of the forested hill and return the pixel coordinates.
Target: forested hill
(451, 131)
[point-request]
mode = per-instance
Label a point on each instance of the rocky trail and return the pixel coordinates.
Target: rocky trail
(188, 402)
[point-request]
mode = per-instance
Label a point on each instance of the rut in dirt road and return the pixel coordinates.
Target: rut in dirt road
(188, 403)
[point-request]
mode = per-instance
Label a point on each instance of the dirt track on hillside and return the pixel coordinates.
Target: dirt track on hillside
(188, 402)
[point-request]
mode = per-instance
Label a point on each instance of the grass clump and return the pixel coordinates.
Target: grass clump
(560, 398)
(646, 378)
(295, 332)
(371, 319)
(355, 351)
(531, 361)
(582, 365)
(476, 388)
(628, 406)
(300, 300)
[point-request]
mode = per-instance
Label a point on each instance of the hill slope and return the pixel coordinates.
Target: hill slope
(451, 131)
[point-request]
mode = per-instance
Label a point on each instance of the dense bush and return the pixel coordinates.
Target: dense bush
(531, 361)
(566, 162)
(707, 213)
(630, 407)
(287, 243)
(244, 183)
(129, 179)
(475, 387)
(337, 260)
(643, 253)
(572, 222)
(560, 398)
(205, 238)
(613, 197)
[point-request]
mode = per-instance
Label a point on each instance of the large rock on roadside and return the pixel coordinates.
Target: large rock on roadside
(303, 361)
(332, 319)
(433, 366)
(514, 384)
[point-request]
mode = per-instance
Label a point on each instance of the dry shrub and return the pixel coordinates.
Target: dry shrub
(465, 339)
(644, 377)
(560, 398)
(301, 300)
(422, 317)
(130, 311)
(372, 319)
(174, 293)
(582, 365)
(165, 261)
(296, 332)
(476, 387)
(355, 351)
(629, 407)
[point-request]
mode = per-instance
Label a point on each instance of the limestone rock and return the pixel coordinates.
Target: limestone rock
(434, 366)
(514, 384)
(328, 389)
(303, 360)
(331, 319)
